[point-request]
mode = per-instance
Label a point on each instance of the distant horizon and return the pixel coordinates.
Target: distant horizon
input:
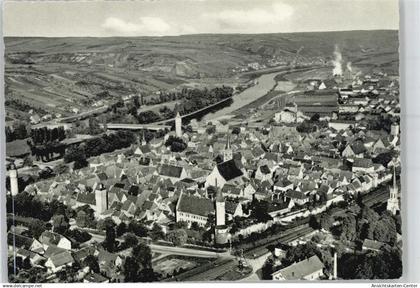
(198, 34)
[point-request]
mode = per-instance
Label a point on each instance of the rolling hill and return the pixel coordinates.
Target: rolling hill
(59, 74)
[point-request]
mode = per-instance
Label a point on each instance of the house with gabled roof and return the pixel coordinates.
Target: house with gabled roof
(307, 269)
(295, 173)
(263, 173)
(129, 208)
(109, 262)
(280, 205)
(33, 257)
(49, 238)
(85, 198)
(282, 185)
(233, 209)
(80, 255)
(297, 197)
(27, 243)
(249, 190)
(363, 165)
(193, 209)
(142, 150)
(356, 149)
(225, 172)
(230, 190)
(57, 262)
(172, 172)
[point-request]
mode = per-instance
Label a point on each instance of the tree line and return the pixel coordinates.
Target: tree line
(45, 142)
(190, 100)
(97, 146)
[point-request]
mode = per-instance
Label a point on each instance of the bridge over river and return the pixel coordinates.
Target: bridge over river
(122, 126)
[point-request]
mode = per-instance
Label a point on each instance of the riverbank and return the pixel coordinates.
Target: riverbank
(268, 86)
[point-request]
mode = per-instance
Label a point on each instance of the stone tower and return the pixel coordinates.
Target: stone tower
(221, 229)
(14, 188)
(227, 152)
(101, 197)
(178, 124)
(393, 202)
(220, 209)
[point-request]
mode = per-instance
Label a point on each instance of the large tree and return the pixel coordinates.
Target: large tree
(109, 243)
(178, 237)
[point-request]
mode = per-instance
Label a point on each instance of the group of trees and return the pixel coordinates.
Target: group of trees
(45, 135)
(41, 213)
(131, 232)
(190, 100)
(382, 122)
(176, 144)
(138, 266)
(97, 146)
(358, 225)
(196, 99)
(259, 210)
(385, 264)
(311, 125)
(20, 130)
(46, 142)
(85, 217)
(178, 237)
(27, 205)
(148, 117)
(90, 126)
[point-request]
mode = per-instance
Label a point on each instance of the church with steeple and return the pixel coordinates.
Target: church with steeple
(393, 203)
(227, 152)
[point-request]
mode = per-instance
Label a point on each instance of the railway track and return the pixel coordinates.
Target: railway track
(379, 195)
(205, 272)
(284, 238)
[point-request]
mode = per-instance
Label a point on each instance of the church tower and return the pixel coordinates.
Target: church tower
(101, 198)
(393, 202)
(227, 153)
(178, 123)
(221, 229)
(14, 188)
(220, 208)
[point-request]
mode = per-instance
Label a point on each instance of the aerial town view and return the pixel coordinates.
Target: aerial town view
(203, 156)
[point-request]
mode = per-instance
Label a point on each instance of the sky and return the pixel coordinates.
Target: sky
(175, 17)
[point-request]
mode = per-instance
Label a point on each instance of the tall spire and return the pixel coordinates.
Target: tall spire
(227, 153)
(393, 204)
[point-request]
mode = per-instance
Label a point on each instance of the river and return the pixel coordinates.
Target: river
(264, 84)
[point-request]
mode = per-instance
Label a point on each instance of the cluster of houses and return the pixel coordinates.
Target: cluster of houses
(221, 172)
(55, 252)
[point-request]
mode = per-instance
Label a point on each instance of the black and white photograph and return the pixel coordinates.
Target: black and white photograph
(202, 140)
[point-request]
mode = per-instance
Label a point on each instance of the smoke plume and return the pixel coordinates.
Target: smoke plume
(337, 62)
(349, 66)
